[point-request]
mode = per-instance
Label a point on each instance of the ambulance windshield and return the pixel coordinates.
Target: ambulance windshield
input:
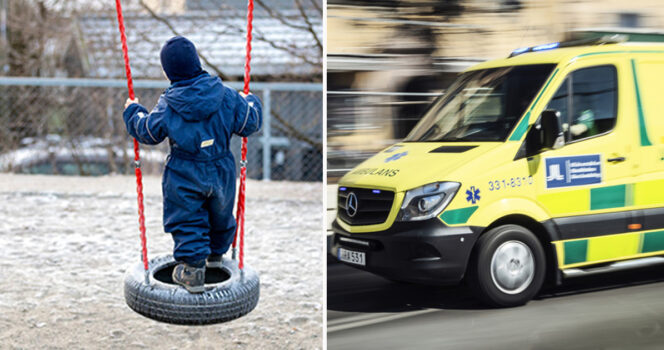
(481, 105)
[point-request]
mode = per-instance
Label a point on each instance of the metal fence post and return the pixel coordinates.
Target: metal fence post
(267, 140)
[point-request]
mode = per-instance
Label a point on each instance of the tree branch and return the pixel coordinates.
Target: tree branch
(288, 129)
(279, 16)
(317, 6)
(258, 35)
(310, 27)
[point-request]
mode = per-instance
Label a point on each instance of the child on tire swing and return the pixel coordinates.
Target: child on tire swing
(199, 115)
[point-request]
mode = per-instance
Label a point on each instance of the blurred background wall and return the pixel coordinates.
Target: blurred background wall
(388, 59)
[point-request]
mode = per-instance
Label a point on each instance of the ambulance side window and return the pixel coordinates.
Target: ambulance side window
(593, 102)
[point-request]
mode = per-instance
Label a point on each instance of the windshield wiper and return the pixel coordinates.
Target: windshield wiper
(455, 138)
(459, 129)
(432, 131)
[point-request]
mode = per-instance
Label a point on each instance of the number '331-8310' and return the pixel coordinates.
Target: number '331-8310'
(496, 185)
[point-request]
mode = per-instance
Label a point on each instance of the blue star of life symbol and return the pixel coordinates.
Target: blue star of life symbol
(473, 194)
(396, 156)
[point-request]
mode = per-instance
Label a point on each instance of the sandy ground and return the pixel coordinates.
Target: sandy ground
(65, 243)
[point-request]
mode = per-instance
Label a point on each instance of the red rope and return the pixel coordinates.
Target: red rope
(137, 157)
(243, 163)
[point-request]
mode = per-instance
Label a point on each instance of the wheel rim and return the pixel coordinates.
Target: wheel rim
(512, 267)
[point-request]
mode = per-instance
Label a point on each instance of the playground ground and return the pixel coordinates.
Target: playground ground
(65, 243)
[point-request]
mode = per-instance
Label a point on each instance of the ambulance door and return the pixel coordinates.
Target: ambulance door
(586, 185)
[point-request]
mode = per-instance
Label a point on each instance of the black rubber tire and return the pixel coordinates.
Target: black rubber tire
(479, 270)
(171, 303)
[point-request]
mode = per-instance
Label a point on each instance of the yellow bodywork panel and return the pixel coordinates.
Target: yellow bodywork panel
(649, 193)
(613, 247)
(561, 203)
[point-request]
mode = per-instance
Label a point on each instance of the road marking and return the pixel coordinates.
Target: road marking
(371, 319)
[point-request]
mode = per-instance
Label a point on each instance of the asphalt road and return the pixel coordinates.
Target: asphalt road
(614, 310)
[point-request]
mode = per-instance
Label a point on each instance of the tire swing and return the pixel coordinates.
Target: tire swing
(231, 291)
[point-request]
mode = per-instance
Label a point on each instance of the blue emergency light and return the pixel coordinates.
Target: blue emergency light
(544, 47)
(549, 46)
(520, 51)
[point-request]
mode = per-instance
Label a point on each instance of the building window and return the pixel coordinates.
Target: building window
(629, 20)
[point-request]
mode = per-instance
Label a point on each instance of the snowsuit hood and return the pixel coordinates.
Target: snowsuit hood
(195, 99)
(179, 59)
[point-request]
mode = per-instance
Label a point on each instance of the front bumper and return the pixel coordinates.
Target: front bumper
(426, 252)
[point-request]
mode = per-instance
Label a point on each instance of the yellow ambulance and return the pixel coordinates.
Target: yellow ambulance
(548, 161)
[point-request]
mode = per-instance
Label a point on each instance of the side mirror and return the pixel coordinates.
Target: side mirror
(552, 135)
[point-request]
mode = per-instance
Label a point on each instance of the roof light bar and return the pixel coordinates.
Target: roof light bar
(605, 39)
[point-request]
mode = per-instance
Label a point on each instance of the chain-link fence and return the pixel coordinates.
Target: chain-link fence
(75, 127)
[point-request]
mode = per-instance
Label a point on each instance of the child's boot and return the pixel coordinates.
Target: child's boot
(190, 277)
(214, 261)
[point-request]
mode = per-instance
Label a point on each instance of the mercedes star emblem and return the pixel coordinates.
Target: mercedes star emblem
(351, 204)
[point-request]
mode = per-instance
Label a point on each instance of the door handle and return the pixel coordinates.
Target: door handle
(616, 160)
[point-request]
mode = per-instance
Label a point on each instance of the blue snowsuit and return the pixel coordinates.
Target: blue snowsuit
(198, 116)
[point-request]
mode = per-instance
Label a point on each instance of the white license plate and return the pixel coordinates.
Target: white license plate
(349, 256)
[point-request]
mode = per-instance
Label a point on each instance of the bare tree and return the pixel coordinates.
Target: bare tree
(31, 27)
(27, 33)
(26, 42)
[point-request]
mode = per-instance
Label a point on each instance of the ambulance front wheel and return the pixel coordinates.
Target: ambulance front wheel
(507, 267)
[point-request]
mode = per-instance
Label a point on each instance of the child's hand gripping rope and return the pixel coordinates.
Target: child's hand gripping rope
(130, 101)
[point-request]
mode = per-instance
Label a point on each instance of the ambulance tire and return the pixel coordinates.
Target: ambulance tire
(507, 267)
(229, 297)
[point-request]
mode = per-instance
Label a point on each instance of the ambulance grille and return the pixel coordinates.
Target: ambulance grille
(373, 206)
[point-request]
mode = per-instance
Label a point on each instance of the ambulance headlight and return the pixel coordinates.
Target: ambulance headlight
(425, 202)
